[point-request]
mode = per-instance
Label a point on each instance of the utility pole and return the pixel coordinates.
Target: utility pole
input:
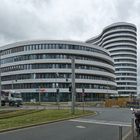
(73, 85)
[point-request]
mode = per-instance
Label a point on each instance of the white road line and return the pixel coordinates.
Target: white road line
(80, 126)
(102, 122)
(127, 135)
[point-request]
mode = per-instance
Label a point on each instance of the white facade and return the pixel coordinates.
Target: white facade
(120, 39)
(28, 65)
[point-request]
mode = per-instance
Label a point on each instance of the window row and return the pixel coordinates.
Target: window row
(51, 46)
(127, 47)
(13, 50)
(128, 93)
(126, 74)
(124, 51)
(131, 65)
(119, 41)
(124, 60)
(49, 56)
(105, 34)
(119, 32)
(124, 55)
(127, 83)
(51, 85)
(126, 69)
(50, 66)
(120, 27)
(126, 88)
(64, 97)
(126, 78)
(120, 37)
(53, 75)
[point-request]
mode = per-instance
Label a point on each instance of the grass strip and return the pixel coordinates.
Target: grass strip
(5, 111)
(17, 113)
(36, 118)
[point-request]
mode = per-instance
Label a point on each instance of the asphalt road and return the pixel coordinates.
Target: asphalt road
(76, 129)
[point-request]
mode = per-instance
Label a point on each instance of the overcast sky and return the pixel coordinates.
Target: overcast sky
(63, 19)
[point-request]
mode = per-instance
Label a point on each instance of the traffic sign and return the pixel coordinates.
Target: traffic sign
(41, 90)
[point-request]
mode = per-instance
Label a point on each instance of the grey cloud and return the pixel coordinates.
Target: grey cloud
(52, 19)
(125, 9)
(14, 23)
(20, 21)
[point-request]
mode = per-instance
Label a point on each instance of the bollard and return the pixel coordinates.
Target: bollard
(120, 132)
(132, 128)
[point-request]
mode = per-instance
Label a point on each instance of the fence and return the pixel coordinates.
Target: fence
(122, 102)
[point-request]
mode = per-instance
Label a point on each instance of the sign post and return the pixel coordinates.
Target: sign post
(40, 90)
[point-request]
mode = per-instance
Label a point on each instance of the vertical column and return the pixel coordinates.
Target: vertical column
(73, 85)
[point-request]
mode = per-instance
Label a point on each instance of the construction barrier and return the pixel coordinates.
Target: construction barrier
(120, 102)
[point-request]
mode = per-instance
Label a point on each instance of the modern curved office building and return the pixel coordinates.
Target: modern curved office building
(46, 64)
(120, 39)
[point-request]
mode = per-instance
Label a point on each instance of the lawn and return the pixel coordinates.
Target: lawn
(23, 118)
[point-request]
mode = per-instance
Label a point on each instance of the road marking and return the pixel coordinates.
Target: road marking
(80, 126)
(125, 137)
(115, 123)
